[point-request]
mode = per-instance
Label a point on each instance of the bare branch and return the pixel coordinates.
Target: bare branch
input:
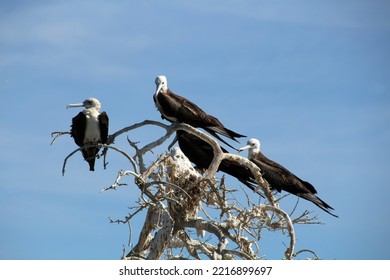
(112, 137)
(120, 175)
(256, 173)
(99, 145)
(306, 251)
(124, 154)
(142, 247)
(289, 252)
(66, 159)
(128, 218)
(218, 153)
(147, 173)
(161, 239)
(57, 134)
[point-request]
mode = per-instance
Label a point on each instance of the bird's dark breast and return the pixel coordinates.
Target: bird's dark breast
(196, 150)
(167, 107)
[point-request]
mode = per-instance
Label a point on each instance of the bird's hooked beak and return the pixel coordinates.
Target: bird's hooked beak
(159, 87)
(244, 148)
(75, 105)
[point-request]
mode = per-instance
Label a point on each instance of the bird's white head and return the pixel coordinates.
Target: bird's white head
(253, 147)
(87, 104)
(161, 84)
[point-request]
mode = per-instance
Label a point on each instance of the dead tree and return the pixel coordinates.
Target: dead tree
(190, 214)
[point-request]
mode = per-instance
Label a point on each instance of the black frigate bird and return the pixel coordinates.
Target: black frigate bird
(175, 108)
(89, 127)
(282, 179)
(201, 153)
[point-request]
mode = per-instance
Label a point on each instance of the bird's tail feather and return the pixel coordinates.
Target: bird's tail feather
(226, 132)
(213, 133)
(90, 156)
(234, 134)
(319, 202)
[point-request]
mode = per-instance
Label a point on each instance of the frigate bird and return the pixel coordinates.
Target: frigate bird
(282, 179)
(201, 153)
(89, 127)
(175, 108)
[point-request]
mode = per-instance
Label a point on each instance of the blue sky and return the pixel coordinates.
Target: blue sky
(310, 79)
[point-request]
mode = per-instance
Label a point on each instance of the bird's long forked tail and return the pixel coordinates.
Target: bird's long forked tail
(213, 130)
(318, 202)
(226, 132)
(234, 135)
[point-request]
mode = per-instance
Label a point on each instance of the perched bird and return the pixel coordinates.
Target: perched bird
(175, 108)
(281, 179)
(89, 127)
(201, 154)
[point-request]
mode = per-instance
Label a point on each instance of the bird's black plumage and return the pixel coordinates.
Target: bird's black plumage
(201, 154)
(175, 108)
(89, 127)
(78, 128)
(281, 179)
(79, 123)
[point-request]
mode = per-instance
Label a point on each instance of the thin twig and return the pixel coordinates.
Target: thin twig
(153, 167)
(124, 154)
(307, 251)
(66, 159)
(112, 137)
(57, 134)
(127, 218)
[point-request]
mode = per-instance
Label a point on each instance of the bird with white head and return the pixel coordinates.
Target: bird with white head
(282, 179)
(89, 127)
(175, 108)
